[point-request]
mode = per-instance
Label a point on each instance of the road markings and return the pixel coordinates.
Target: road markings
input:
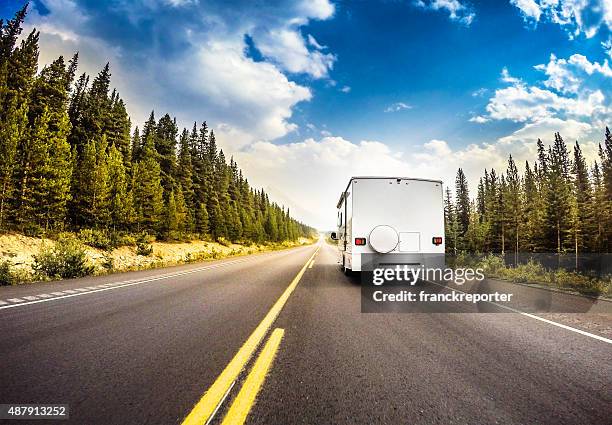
(533, 316)
(204, 409)
(30, 298)
(69, 293)
(311, 264)
(245, 399)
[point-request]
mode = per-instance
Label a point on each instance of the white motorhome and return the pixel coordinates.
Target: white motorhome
(388, 221)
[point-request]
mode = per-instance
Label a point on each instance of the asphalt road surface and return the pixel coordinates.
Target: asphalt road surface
(144, 347)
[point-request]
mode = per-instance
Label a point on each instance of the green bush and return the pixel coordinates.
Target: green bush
(492, 264)
(530, 272)
(33, 230)
(108, 263)
(122, 239)
(6, 274)
(143, 244)
(67, 259)
(224, 241)
(96, 238)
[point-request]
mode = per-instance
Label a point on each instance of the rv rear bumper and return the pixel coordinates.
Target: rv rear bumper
(369, 262)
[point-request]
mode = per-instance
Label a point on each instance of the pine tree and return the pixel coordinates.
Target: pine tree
(559, 197)
(184, 176)
(30, 175)
(202, 220)
(582, 217)
(165, 145)
(182, 216)
(136, 146)
(501, 216)
(514, 205)
(171, 221)
(121, 201)
(463, 205)
(148, 199)
(605, 156)
(12, 130)
(57, 171)
(533, 211)
(599, 210)
(17, 71)
(91, 191)
(118, 133)
(450, 224)
(9, 33)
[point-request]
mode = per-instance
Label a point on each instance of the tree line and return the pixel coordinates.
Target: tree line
(558, 204)
(70, 160)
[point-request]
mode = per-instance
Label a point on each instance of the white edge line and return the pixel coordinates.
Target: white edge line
(533, 316)
(114, 285)
(120, 285)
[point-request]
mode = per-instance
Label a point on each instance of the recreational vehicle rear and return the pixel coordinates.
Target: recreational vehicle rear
(389, 221)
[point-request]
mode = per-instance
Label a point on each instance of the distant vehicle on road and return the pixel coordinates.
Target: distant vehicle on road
(389, 221)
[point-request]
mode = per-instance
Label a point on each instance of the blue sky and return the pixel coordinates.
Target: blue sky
(307, 93)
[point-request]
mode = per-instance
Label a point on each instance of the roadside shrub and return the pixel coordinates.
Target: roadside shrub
(143, 244)
(96, 238)
(223, 241)
(33, 230)
(108, 263)
(492, 264)
(122, 239)
(6, 274)
(524, 273)
(67, 259)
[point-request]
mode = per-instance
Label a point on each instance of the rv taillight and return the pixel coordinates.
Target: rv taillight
(360, 241)
(437, 240)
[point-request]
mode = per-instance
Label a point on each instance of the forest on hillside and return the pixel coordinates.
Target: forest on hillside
(559, 204)
(70, 160)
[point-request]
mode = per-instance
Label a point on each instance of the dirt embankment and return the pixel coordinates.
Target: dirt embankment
(20, 251)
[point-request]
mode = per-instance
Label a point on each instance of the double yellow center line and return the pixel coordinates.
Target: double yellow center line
(217, 392)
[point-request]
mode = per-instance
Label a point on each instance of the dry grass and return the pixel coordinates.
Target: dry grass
(19, 251)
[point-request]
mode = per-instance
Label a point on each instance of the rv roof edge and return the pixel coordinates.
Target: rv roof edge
(384, 178)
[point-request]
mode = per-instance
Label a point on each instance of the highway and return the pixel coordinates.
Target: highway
(279, 338)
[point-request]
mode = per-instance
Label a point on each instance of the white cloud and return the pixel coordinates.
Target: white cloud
(507, 78)
(456, 10)
(317, 9)
(179, 3)
(530, 9)
(578, 16)
(570, 75)
(345, 89)
(607, 46)
(210, 76)
(523, 104)
(287, 48)
(575, 89)
(546, 127)
(398, 106)
(314, 43)
(480, 92)
(479, 119)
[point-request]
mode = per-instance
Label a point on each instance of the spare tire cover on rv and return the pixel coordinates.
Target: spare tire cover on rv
(384, 239)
